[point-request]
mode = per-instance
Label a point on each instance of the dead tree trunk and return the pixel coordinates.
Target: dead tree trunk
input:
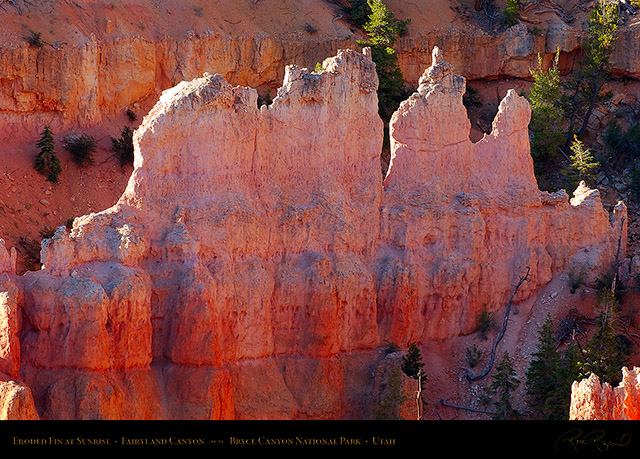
(419, 397)
(466, 408)
(474, 377)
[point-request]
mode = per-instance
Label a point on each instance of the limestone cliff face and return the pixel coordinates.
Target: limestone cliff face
(77, 87)
(592, 400)
(257, 263)
(100, 58)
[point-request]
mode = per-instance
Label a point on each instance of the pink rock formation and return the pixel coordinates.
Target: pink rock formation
(16, 401)
(462, 222)
(257, 262)
(592, 400)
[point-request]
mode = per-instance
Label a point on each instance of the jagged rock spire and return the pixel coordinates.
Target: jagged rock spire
(440, 74)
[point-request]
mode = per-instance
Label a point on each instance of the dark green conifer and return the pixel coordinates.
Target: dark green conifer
(412, 364)
(123, 146)
(546, 112)
(383, 30)
(585, 86)
(511, 13)
(605, 354)
(504, 383)
(46, 161)
(543, 384)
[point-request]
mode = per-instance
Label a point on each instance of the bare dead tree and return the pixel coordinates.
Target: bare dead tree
(491, 12)
(419, 396)
(616, 262)
(572, 325)
(443, 402)
(14, 4)
(475, 377)
(626, 325)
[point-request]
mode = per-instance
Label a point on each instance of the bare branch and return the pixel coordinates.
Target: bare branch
(466, 408)
(475, 377)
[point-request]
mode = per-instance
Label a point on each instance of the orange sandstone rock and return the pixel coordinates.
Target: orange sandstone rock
(592, 400)
(16, 402)
(462, 222)
(256, 262)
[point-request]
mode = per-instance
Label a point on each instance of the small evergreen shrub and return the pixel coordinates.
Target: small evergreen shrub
(511, 13)
(81, 148)
(484, 322)
(583, 164)
(412, 363)
(47, 232)
(34, 39)
(549, 376)
(575, 280)
(474, 355)
(47, 162)
(605, 353)
(546, 113)
(131, 115)
(123, 146)
(505, 381)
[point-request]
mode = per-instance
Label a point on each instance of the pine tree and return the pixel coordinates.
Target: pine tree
(604, 355)
(46, 161)
(81, 147)
(503, 384)
(544, 384)
(392, 399)
(123, 146)
(582, 161)
(358, 11)
(412, 364)
(511, 13)
(558, 401)
(595, 68)
(546, 112)
(383, 30)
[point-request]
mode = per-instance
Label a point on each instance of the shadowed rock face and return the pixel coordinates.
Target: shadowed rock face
(257, 261)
